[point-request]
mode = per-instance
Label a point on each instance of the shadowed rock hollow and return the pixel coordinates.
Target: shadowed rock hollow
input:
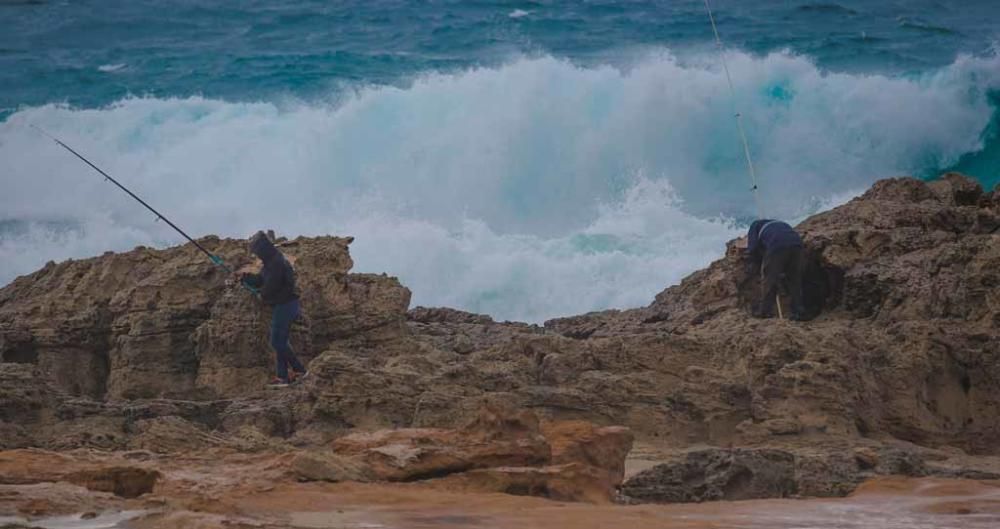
(898, 372)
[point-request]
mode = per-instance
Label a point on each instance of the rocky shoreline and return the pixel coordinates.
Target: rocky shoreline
(117, 369)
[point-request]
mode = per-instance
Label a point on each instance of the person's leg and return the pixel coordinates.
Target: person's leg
(291, 359)
(281, 324)
(771, 271)
(793, 275)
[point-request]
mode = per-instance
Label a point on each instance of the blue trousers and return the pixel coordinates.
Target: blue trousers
(282, 317)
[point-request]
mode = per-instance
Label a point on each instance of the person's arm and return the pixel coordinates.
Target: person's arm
(253, 280)
(753, 241)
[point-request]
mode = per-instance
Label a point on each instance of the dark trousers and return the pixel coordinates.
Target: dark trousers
(282, 317)
(785, 262)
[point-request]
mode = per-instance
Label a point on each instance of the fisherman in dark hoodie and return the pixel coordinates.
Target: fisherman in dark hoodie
(779, 248)
(276, 282)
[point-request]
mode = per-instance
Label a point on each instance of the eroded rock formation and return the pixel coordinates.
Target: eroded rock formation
(898, 372)
(162, 323)
(501, 450)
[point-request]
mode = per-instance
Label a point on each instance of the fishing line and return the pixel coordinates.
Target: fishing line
(737, 114)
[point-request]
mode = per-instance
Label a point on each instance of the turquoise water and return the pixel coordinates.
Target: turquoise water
(525, 159)
(93, 53)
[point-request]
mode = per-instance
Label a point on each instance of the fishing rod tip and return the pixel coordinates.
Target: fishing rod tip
(40, 129)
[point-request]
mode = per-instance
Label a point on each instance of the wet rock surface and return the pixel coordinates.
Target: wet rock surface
(897, 373)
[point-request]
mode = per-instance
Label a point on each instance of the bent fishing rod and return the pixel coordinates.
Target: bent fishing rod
(214, 258)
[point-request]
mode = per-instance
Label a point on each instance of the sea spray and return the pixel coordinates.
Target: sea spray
(536, 189)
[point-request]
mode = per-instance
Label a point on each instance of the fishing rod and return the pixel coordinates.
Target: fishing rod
(214, 258)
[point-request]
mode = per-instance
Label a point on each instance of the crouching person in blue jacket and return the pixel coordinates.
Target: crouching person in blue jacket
(778, 248)
(276, 282)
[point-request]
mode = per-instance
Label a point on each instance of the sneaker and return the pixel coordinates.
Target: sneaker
(297, 377)
(277, 383)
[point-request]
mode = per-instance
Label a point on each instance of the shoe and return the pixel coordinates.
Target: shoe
(277, 383)
(295, 378)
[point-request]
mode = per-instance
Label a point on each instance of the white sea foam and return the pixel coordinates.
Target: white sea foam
(532, 190)
(108, 68)
(518, 13)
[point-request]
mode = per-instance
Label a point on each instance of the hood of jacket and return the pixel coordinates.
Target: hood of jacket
(262, 247)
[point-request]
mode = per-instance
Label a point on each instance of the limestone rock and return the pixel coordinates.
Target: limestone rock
(148, 348)
(272, 417)
(601, 449)
(566, 482)
(445, 315)
(25, 467)
(502, 450)
(13, 436)
(494, 440)
(24, 395)
(824, 473)
(713, 474)
(172, 435)
(127, 482)
(163, 323)
(957, 190)
(326, 466)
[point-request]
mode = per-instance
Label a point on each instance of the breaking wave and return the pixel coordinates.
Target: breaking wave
(532, 190)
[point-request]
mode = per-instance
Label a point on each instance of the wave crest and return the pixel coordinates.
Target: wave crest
(528, 191)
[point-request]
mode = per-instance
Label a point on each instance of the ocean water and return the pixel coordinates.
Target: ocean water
(523, 159)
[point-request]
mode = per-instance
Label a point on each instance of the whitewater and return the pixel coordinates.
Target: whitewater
(536, 188)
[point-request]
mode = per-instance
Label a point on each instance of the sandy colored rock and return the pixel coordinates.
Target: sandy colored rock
(566, 482)
(174, 434)
(31, 467)
(255, 490)
(127, 482)
(596, 455)
(154, 323)
(587, 443)
(497, 438)
(149, 349)
(866, 457)
(503, 449)
(327, 466)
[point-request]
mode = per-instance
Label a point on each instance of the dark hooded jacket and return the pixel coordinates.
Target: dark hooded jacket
(276, 279)
(766, 235)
